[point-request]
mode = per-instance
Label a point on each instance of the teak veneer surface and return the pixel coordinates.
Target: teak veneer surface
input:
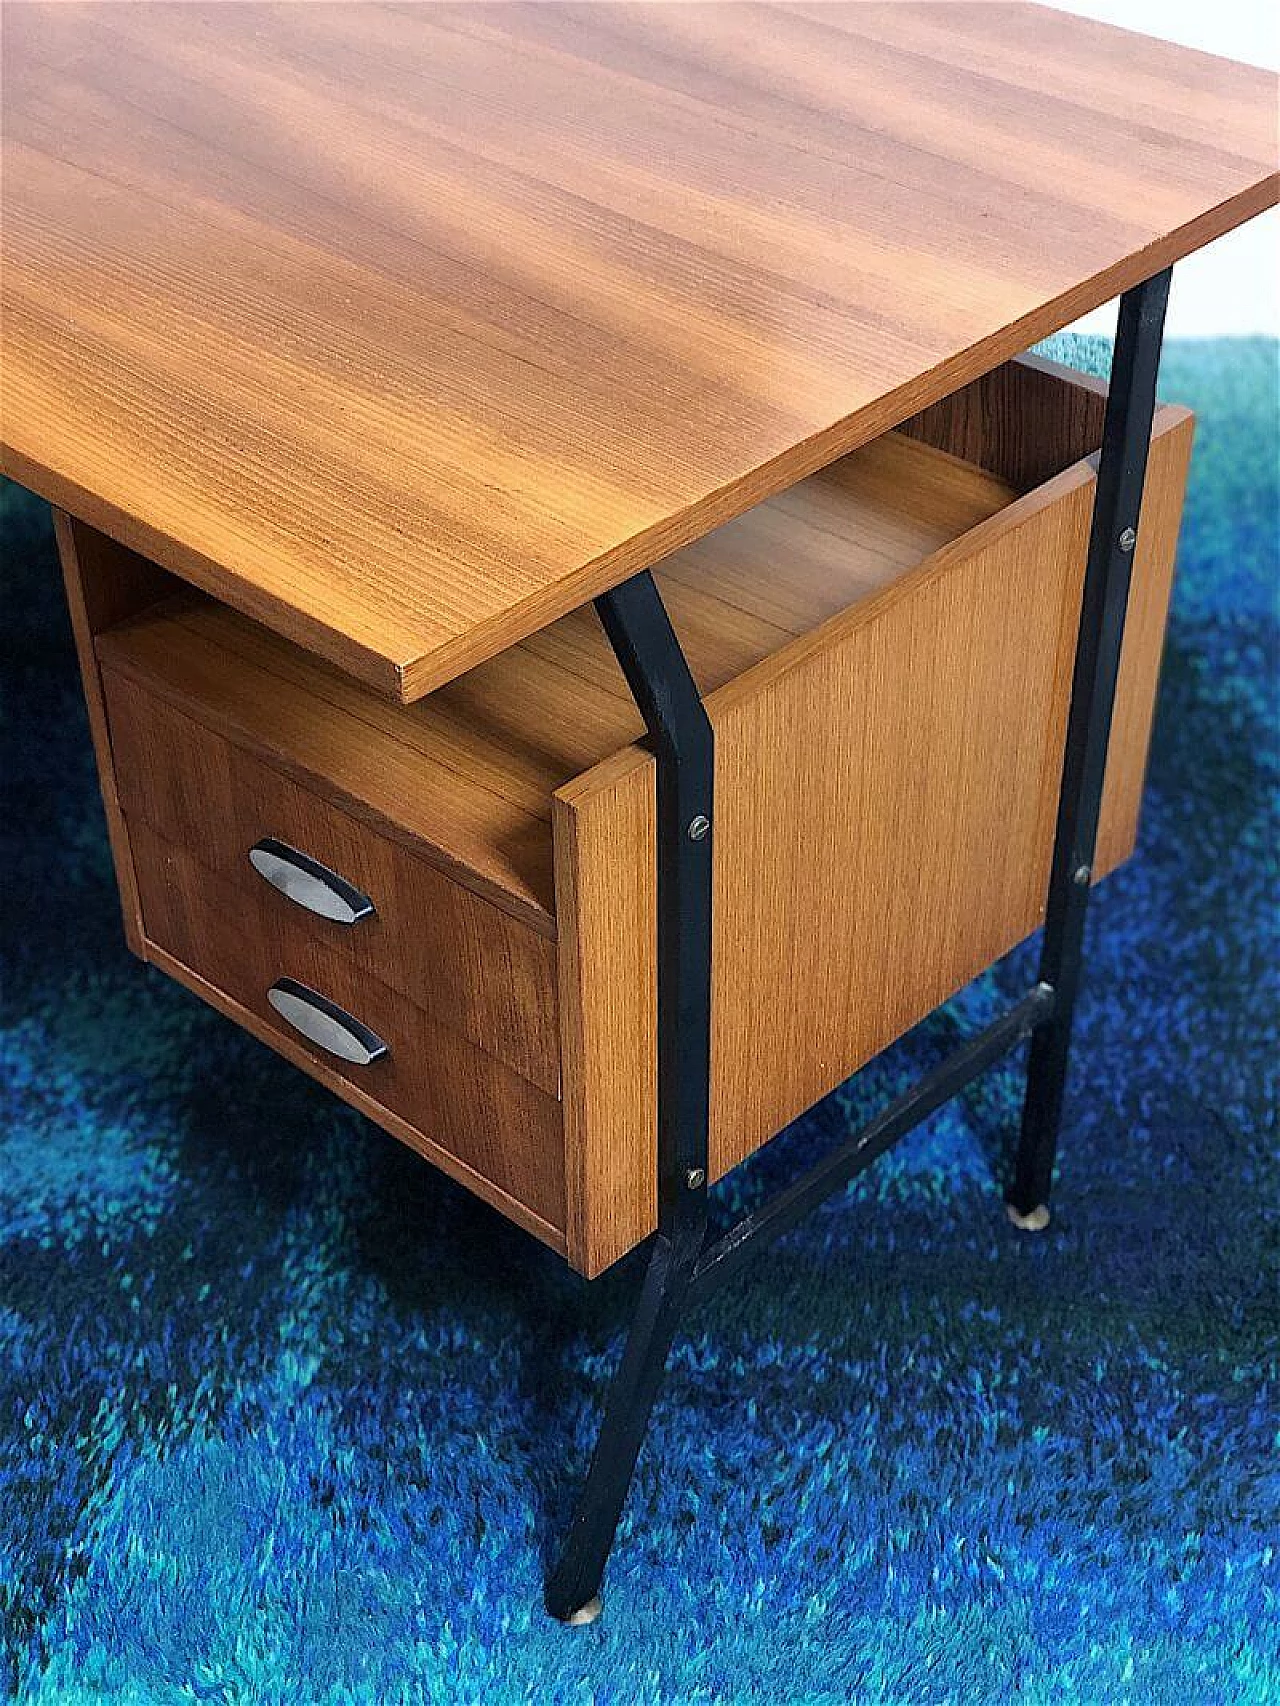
(886, 795)
(105, 584)
(465, 963)
(408, 329)
(466, 1111)
(468, 774)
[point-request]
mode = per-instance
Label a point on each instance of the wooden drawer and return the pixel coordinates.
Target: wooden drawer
(453, 953)
(448, 1098)
(885, 652)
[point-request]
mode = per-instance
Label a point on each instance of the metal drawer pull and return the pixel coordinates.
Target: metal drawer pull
(305, 880)
(324, 1024)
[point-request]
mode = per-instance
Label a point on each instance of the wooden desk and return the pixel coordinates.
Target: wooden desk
(360, 348)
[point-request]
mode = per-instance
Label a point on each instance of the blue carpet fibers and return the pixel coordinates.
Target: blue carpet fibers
(286, 1416)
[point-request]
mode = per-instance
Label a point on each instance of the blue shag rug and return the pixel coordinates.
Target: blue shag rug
(285, 1416)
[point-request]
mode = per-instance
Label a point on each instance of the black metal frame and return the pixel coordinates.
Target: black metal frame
(683, 1266)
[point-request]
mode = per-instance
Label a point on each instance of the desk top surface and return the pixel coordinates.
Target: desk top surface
(408, 328)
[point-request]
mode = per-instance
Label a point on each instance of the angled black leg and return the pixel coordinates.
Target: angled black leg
(573, 1588)
(1121, 474)
(640, 632)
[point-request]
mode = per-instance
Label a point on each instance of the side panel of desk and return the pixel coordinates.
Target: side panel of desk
(106, 584)
(886, 795)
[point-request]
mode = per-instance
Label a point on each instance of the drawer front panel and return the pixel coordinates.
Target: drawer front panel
(462, 1100)
(456, 956)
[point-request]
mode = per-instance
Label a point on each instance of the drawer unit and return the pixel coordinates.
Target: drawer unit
(885, 652)
(432, 1087)
(451, 952)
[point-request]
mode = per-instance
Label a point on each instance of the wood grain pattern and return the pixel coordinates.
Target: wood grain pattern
(886, 793)
(464, 962)
(466, 776)
(439, 784)
(407, 329)
(1143, 647)
(467, 1112)
(105, 584)
(885, 813)
(250, 1021)
(1023, 422)
(607, 906)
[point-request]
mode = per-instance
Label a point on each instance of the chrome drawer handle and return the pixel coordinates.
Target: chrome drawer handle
(305, 880)
(323, 1023)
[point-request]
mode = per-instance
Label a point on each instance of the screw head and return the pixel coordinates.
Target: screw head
(1081, 875)
(1128, 539)
(694, 1178)
(698, 827)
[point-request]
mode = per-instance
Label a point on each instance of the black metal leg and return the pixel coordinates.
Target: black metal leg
(640, 632)
(1121, 473)
(574, 1586)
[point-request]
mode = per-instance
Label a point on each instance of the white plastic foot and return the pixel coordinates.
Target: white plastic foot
(585, 1613)
(1035, 1220)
